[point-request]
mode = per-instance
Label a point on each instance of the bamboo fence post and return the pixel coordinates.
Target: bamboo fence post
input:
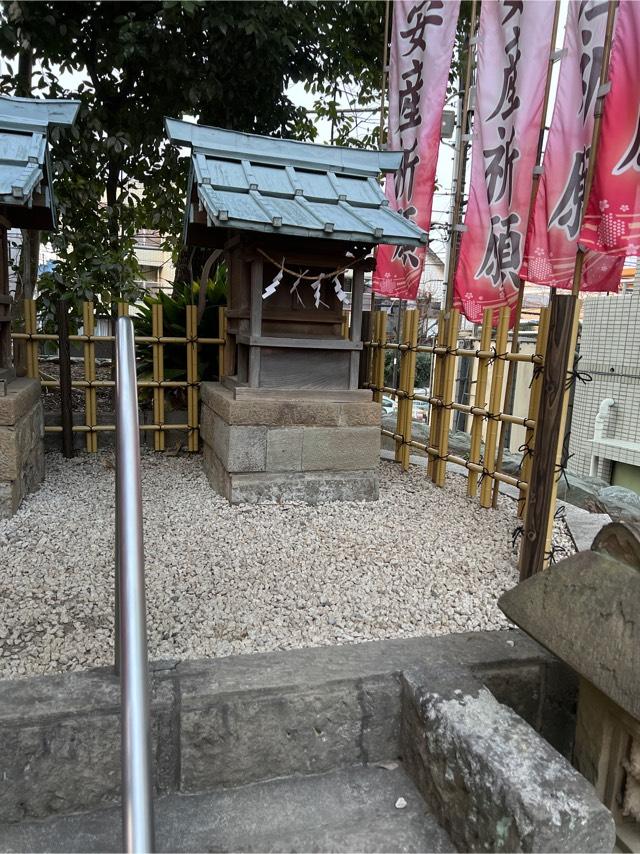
(375, 341)
(409, 357)
(436, 393)
(64, 360)
(512, 370)
(222, 334)
(364, 368)
(495, 397)
(158, 377)
(192, 377)
(534, 402)
(123, 309)
(33, 371)
(550, 421)
(378, 356)
(90, 402)
(480, 401)
(449, 372)
(345, 323)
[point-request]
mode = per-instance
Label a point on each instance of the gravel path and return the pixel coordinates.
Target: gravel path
(223, 580)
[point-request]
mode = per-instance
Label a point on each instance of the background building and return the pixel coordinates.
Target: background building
(605, 437)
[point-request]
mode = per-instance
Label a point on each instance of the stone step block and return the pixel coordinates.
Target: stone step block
(296, 411)
(284, 449)
(340, 448)
(310, 487)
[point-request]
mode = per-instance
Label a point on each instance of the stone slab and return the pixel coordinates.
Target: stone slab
(284, 449)
(301, 730)
(328, 410)
(491, 780)
(310, 487)
(598, 635)
(218, 478)
(341, 448)
(350, 809)
(22, 395)
(18, 441)
(59, 745)
(238, 448)
(32, 474)
(56, 762)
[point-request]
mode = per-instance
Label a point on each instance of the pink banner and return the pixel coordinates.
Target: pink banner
(612, 220)
(552, 238)
(514, 41)
(421, 49)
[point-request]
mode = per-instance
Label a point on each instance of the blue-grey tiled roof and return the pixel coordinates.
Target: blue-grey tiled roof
(278, 186)
(24, 123)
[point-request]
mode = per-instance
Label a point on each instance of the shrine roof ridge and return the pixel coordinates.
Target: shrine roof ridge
(26, 198)
(276, 186)
(221, 142)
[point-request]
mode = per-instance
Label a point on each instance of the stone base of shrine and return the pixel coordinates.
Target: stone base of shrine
(273, 446)
(21, 443)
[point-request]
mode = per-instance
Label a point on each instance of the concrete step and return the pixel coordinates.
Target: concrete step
(351, 809)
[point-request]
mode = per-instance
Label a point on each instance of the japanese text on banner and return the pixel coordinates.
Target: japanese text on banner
(514, 42)
(421, 49)
(552, 238)
(612, 220)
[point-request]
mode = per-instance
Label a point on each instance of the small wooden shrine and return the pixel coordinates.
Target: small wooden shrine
(26, 194)
(296, 224)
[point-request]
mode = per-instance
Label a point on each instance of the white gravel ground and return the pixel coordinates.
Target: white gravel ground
(223, 580)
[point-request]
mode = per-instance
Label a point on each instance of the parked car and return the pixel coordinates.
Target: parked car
(388, 405)
(420, 409)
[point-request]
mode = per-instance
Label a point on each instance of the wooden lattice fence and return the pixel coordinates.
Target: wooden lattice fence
(487, 411)
(158, 384)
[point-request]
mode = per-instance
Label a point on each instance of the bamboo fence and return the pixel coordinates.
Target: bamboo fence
(157, 341)
(486, 411)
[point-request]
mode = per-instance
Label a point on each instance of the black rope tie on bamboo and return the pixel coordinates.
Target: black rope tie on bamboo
(516, 534)
(492, 416)
(526, 451)
(575, 375)
(538, 369)
(561, 467)
(554, 553)
(485, 473)
(503, 357)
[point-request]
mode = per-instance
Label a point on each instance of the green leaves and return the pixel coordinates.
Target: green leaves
(230, 64)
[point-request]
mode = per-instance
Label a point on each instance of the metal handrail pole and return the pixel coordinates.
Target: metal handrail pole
(137, 797)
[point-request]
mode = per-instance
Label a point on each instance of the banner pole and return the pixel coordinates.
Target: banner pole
(512, 372)
(385, 59)
(595, 139)
(461, 156)
(570, 305)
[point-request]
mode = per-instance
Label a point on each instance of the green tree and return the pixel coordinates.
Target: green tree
(229, 64)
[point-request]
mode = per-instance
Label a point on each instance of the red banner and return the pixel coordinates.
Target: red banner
(514, 42)
(612, 220)
(421, 48)
(552, 238)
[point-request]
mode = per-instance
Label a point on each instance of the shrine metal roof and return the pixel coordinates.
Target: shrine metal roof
(24, 156)
(280, 186)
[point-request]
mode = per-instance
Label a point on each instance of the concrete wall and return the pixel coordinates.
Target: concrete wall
(21, 443)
